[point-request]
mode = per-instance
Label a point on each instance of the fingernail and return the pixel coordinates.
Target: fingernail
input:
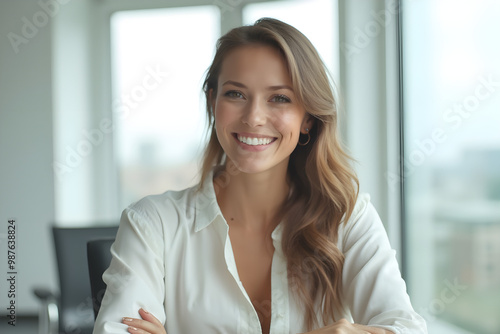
(133, 329)
(144, 311)
(127, 319)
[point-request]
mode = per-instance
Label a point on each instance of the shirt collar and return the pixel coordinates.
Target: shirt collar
(277, 233)
(207, 208)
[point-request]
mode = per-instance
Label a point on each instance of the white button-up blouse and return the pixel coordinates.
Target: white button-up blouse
(173, 257)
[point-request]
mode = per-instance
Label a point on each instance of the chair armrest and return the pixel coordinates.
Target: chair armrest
(48, 317)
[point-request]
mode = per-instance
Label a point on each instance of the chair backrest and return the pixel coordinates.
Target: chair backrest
(99, 258)
(75, 299)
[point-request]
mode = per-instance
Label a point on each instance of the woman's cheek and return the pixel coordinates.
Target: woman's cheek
(288, 125)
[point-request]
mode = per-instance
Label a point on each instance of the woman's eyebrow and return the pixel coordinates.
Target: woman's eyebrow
(278, 87)
(234, 83)
(239, 84)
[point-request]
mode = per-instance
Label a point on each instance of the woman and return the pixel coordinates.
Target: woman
(275, 239)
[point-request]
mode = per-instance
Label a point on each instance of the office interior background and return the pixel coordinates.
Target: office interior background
(101, 104)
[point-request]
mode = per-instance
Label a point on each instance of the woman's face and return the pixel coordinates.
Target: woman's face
(257, 116)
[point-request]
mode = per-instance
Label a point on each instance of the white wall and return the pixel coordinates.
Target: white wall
(26, 178)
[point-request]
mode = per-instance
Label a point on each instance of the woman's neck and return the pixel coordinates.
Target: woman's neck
(253, 201)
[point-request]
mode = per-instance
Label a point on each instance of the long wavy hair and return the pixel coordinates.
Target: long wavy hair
(324, 186)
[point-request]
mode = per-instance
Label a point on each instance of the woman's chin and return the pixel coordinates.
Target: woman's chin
(256, 167)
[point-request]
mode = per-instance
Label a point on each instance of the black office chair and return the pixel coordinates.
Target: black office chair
(99, 258)
(72, 310)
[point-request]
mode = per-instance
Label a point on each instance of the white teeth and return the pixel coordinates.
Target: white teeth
(254, 141)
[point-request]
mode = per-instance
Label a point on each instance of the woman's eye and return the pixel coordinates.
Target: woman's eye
(233, 93)
(281, 99)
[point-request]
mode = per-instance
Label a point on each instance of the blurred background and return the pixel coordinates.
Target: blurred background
(101, 104)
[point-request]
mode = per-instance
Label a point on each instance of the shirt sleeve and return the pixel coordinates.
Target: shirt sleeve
(135, 277)
(374, 290)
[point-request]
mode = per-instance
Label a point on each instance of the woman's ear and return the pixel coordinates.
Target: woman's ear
(307, 124)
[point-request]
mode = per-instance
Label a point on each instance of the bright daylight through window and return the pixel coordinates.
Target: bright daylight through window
(159, 58)
(452, 162)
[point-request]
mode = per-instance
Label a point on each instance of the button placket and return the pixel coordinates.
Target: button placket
(249, 320)
(279, 293)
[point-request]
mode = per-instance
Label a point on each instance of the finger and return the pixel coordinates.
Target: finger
(149, 317)
(133, 330)
(140, 326)
(372, 330)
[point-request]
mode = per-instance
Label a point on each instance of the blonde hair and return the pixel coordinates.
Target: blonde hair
(324, 187)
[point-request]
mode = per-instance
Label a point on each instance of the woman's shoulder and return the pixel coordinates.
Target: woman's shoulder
(171, 208)
(363, 220)
(363, 207)
(167, 203)
(363, 203)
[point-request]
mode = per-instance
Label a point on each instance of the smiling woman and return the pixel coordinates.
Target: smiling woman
(275, 238)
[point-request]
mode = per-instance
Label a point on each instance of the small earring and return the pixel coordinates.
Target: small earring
(308, 138)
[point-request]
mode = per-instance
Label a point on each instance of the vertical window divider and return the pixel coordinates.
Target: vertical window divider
(399, 32)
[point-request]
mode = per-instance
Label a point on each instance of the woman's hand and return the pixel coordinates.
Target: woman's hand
(345, 327)
(147, 325)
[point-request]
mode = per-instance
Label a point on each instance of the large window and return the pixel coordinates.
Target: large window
(452, 162)
(159, 58)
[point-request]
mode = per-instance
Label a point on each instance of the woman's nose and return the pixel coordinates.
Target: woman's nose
(255, 113)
